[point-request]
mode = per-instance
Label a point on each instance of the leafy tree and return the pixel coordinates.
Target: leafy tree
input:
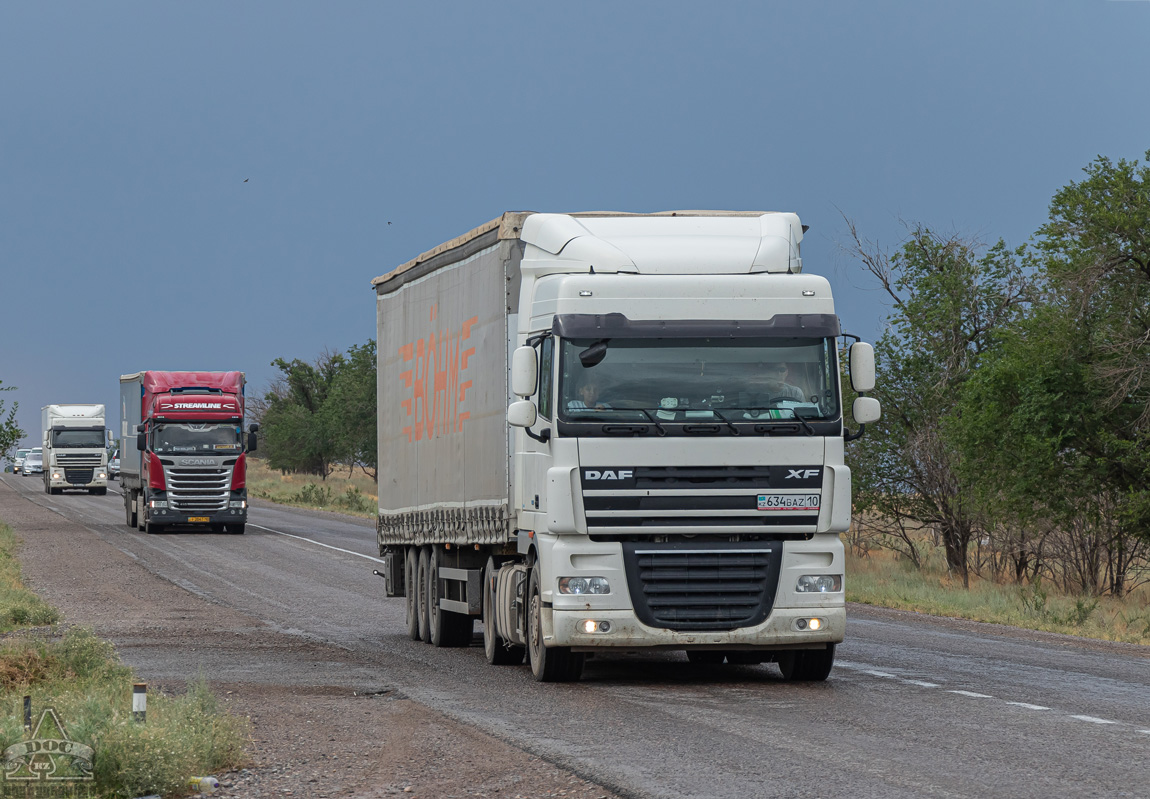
(10, 432)
(949, 302)
(350, 409)
(296, 432)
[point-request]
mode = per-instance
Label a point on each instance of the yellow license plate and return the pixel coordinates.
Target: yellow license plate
(198, 518)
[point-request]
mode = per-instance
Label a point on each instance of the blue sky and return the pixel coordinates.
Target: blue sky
(210, 185)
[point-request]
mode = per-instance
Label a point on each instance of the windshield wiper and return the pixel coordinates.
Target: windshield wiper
(726, 421)
(654, 421)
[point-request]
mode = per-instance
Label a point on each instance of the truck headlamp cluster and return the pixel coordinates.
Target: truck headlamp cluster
(56, 475)
(158, 504)
(819, 584)
(584, 585)
(241, 504)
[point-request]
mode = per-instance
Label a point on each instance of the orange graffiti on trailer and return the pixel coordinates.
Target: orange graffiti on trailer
(434, 379)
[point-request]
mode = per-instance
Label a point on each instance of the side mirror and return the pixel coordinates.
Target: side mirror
(866, 410)
(862, 367)
(522, 413)
(252, 441)
(141, 443)
(524, 373)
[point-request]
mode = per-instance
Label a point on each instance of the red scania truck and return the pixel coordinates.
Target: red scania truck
(190, 461)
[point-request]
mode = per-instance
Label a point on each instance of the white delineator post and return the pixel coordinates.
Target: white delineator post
(140, 702)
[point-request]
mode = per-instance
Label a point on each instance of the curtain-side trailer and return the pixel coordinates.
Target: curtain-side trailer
(617, 431)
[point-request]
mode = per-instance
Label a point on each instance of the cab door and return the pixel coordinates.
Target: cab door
(533, 445)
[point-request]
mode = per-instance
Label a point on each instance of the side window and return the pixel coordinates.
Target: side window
(545, 377)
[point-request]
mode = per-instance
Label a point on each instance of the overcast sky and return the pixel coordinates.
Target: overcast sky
(211, 185)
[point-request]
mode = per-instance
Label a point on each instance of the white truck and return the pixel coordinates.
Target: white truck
(618, 431)
(75, 440)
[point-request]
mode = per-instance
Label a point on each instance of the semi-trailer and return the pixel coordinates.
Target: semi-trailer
(610, 431)
(188, 465)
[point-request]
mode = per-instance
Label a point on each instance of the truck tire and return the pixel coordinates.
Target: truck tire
(548, 664)
(129, 508)
(421, 591)
(235, 529)
(445, 627)
(498, 650)
(410, 590)
(151, 528)
(807, 665)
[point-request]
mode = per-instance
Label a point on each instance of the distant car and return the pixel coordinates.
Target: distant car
(21, 454)
(114, 465)
(34, 462)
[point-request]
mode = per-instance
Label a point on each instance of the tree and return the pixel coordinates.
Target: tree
(296, 431)
(10, 432)
(350, 409)
(949, 302)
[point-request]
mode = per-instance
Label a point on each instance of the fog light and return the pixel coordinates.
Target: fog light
(816, 624)
(591, 626)
(584, 585)
(819, 583)
(809, 624)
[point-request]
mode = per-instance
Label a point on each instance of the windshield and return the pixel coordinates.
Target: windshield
(72, 439)
(20, 453)
(34, 457)
(208, 437)
(685, 380)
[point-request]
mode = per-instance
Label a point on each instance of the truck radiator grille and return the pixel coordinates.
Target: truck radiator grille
(78, 476)
(721, 499)
(700, 586)
(198, 490)
(68, 461)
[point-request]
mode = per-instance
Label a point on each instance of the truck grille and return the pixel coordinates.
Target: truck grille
(198, 489)
(667, 499)
(701, 586)
(68, 461)
(78, 476)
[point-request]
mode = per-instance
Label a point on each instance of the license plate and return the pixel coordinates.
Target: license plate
(199, 518)
(789, 501)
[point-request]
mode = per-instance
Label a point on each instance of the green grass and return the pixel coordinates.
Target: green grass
(78, 675)
(19, 607)
(353, 493)
(883, 579)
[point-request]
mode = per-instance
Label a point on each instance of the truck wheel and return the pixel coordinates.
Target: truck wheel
(499, 651)
(130, 508)
(807, 665)
(410, 590)
(235, 529)
(421, 593)
(445, 627)
(151, 528)
(548, 664)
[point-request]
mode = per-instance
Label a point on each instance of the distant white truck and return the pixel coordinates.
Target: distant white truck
(75, 440)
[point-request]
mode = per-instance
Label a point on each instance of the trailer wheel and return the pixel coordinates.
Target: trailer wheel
(499, 651)
(445, 627)
(411, 590)
(548, 664)
(807, 665)
(421, 593)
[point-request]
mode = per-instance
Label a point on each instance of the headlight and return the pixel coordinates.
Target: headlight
(584, 585)
(158, 504)
(238, 504)
(820, 584)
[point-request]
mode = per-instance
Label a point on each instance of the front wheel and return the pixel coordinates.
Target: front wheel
(807, 665)
(548, 664)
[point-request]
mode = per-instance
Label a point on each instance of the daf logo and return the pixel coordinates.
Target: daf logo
(800, 474)
(196, 462)
(609, 474)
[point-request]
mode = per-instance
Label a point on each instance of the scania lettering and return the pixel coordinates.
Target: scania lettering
(75, 441)
(189, 462)
(607, 431)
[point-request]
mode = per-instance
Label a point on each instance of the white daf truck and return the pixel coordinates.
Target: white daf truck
(75, 440)
(618, 431)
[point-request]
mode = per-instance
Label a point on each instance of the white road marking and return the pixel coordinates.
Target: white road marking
(317, 543)
(1094, 720)
(921, 683)
(878, 673)
(971, 694)
(1028, 706)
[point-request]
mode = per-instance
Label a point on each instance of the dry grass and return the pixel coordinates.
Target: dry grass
(885, 579)
(353, 493)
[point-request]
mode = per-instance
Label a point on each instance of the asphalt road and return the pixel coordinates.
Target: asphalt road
(915, 707)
